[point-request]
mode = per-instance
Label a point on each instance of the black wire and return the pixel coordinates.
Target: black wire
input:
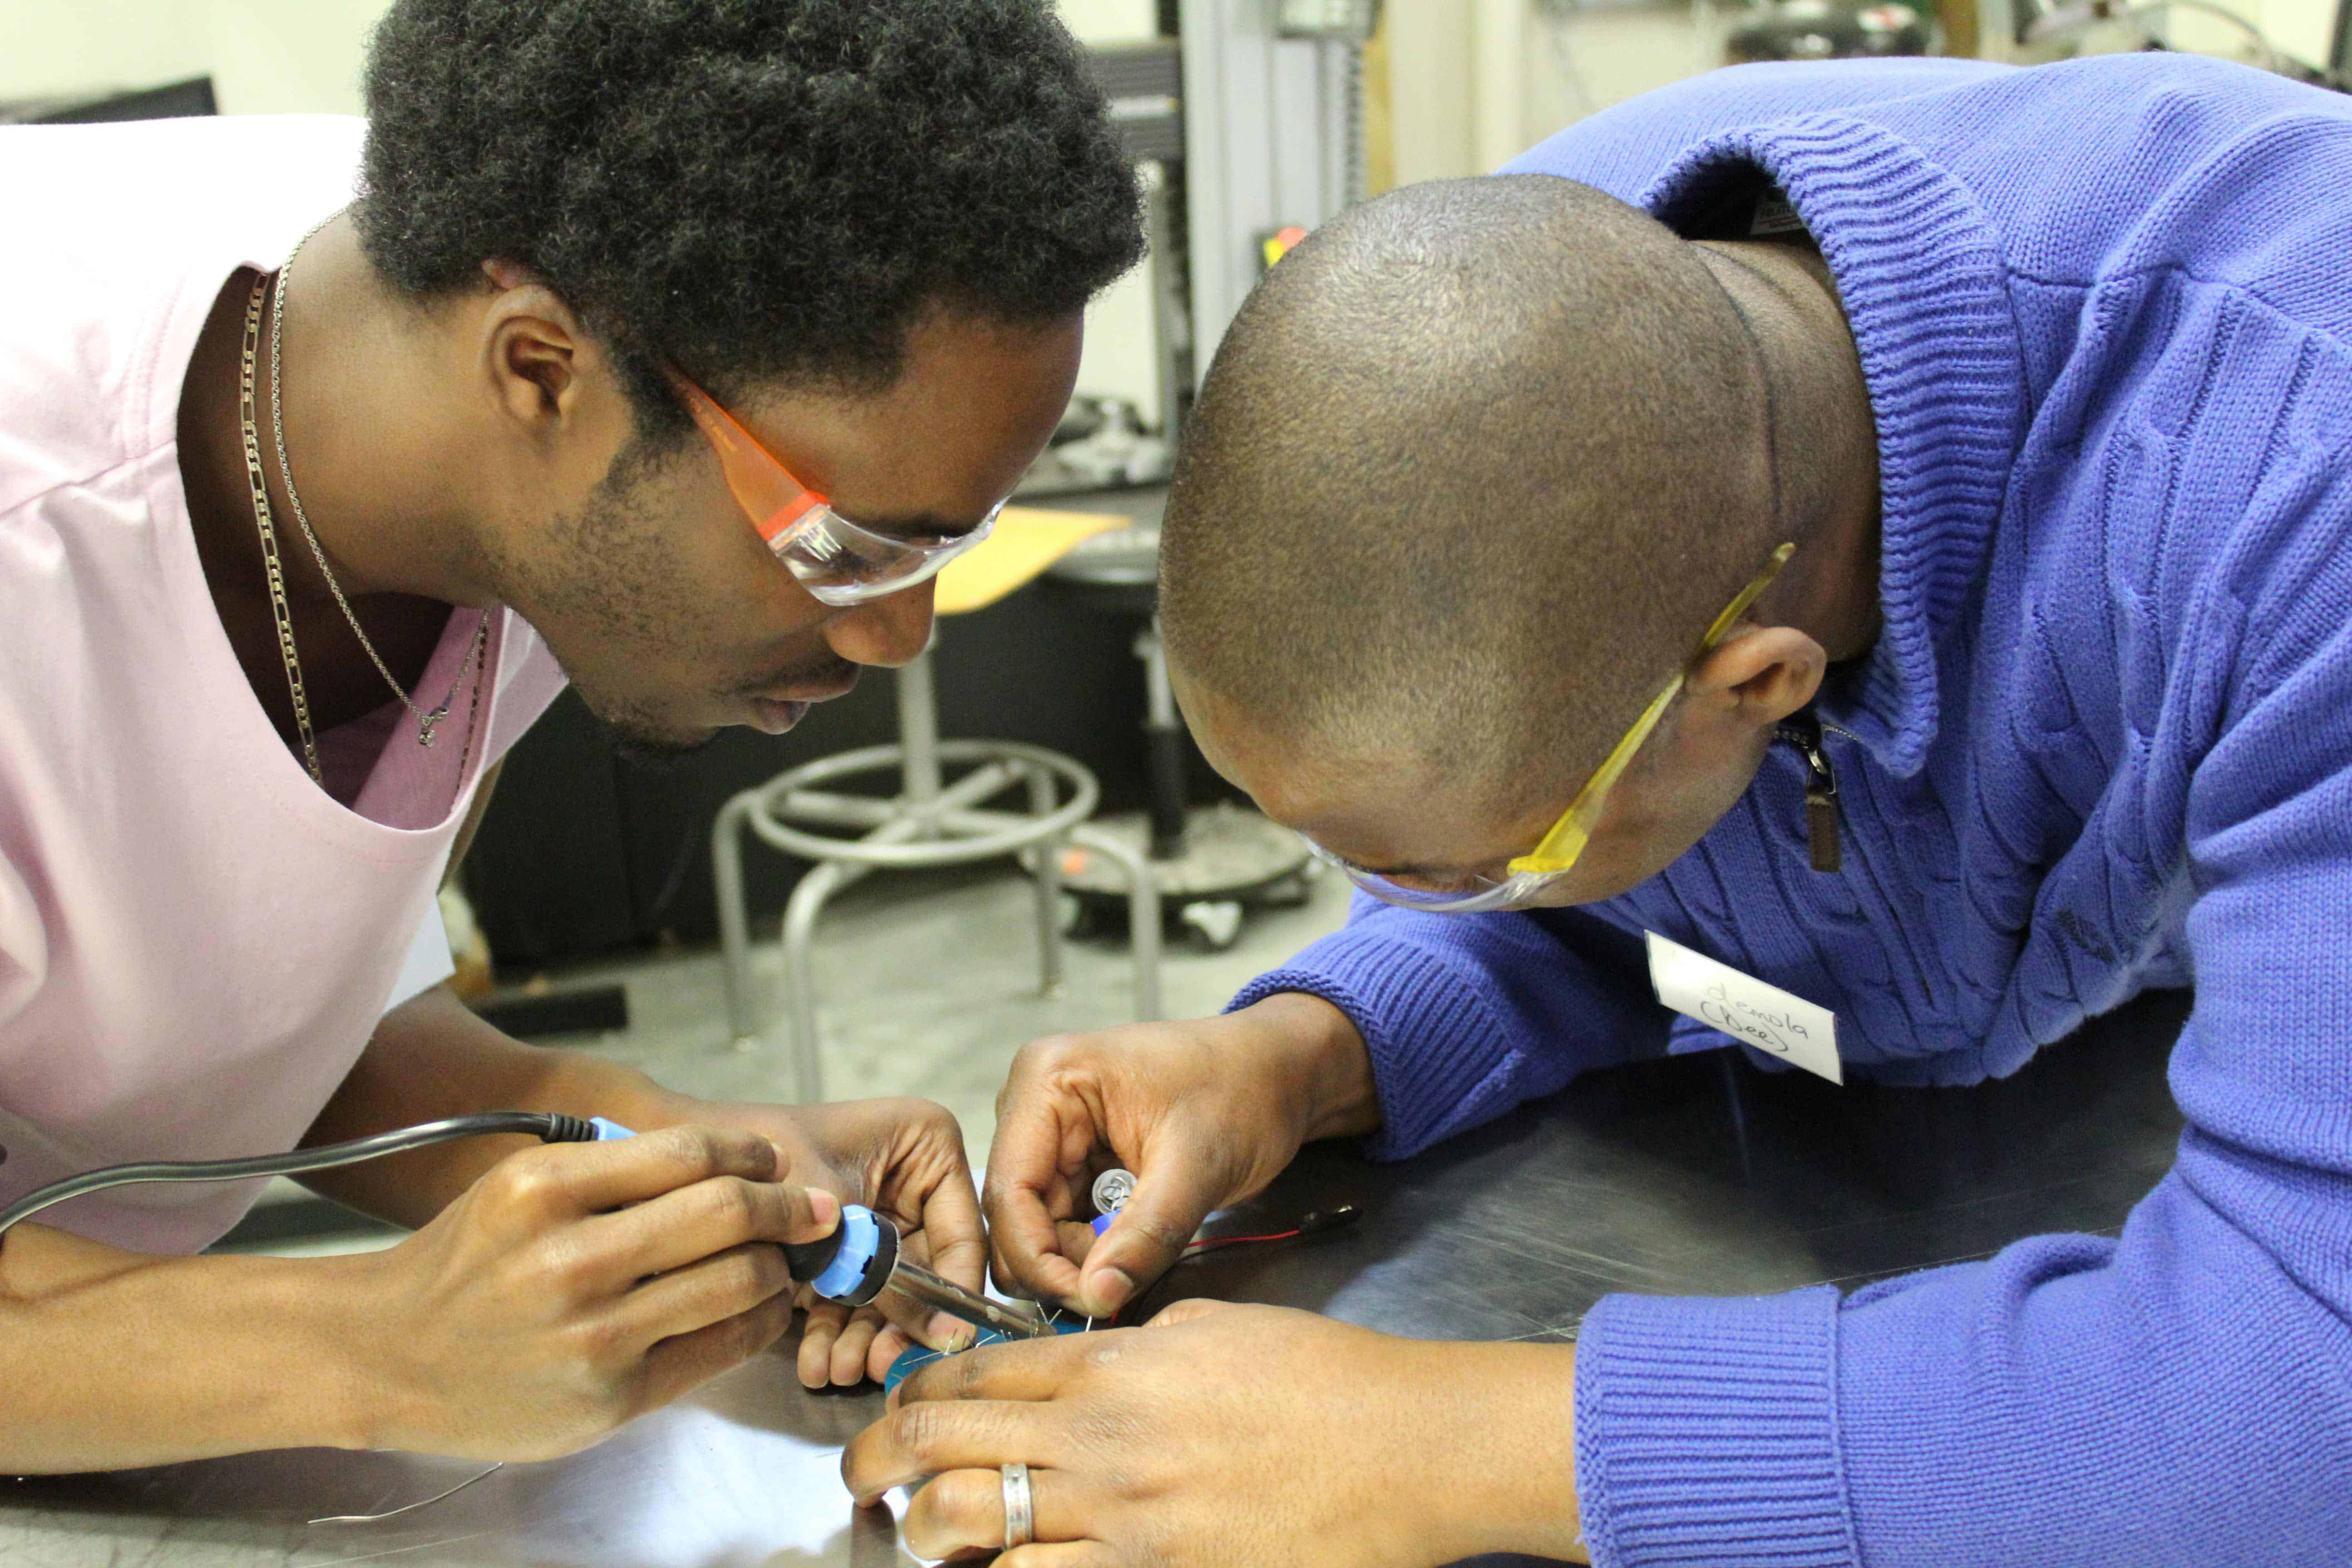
(549, 1127)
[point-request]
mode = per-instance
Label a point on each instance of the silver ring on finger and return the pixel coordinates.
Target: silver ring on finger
(1020, 1509)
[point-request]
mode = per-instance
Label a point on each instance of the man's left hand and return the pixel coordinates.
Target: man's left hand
(1224, 1434)
(905, 1160)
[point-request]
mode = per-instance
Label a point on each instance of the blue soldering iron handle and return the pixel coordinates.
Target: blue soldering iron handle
(853, 1264)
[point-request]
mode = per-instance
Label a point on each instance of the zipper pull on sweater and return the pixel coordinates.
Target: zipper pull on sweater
(1803, 732)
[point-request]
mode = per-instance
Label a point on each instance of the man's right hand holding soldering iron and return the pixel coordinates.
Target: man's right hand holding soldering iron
(550, 1293)
(575, 1286)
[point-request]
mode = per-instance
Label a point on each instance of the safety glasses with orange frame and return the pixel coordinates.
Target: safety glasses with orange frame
(837, 560)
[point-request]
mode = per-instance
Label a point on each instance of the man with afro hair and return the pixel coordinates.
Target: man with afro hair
(666, 347)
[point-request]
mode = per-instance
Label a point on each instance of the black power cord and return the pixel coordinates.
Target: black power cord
(549, 1127)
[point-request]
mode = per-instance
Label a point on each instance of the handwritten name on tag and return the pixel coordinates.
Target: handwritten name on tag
(1745, 1008)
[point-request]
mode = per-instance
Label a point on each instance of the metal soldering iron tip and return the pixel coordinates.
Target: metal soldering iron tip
(1020, 1320)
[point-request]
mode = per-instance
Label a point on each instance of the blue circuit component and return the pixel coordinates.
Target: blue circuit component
(916, 1356)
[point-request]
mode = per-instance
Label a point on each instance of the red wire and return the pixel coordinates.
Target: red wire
(1236, 1240)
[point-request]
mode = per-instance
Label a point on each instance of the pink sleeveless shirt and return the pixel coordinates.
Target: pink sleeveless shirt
(195, 940)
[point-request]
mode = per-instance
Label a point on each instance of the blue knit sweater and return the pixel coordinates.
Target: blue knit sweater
(2104, 743)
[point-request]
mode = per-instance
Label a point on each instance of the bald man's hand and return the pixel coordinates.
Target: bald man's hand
(1204, 1112)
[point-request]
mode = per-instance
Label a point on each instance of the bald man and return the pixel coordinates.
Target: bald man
(1881, 529)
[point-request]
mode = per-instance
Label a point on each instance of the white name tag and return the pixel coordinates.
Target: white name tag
(1745, 1008)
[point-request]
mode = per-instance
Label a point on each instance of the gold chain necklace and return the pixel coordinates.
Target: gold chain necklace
(425, 723)
(279, 607)
(270, 536)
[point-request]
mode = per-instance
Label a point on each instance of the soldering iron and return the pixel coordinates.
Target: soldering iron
(856, 1263)
(862, 1259)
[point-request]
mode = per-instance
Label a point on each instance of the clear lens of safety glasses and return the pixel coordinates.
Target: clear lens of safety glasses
(1512, 892)
(841, 564)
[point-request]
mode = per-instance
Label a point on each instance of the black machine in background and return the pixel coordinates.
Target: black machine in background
(1830, 29)
(1104, 442)
(173, 100)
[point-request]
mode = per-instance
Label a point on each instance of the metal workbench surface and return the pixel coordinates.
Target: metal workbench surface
(1693, 1175)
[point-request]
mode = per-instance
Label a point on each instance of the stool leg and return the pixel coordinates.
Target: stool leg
(1163, 730)
(799, 975)
(1048, 887)
(1142, 915)
(918, 732)
(734, 921)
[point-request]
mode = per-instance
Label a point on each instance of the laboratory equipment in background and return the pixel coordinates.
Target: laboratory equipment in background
(1249, 123)
(1274, 136)
(1258, 140)
(1211, 863)
(1136, 380)
(1100, 445)
(2306, 41)
(1830, 29)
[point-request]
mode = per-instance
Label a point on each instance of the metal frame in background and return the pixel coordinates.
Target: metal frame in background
(1142, 83)
(1273, 136)
(929, 823)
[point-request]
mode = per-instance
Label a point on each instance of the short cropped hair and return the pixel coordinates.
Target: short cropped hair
(761, 191)
(1472, 472)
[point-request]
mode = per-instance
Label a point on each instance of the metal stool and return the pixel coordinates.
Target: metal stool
(1212, 863)
(930, 823)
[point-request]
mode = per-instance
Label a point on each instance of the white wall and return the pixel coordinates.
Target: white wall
(281, 57)
(1474, 82)
(1471, 82)
(1429, 90)
(1110, 21)
(2304, 29)
(265, 57)
(289, 57)
(1525, 78)
(55, 47)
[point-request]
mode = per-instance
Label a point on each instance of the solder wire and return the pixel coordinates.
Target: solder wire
(552, 1127)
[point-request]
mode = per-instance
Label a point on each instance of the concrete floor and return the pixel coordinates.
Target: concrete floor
(927, 986)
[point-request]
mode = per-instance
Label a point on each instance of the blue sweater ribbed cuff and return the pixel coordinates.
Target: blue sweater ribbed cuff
(1707, 1433)
(1442, 1058)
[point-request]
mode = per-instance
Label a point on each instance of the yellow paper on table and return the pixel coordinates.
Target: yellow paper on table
(1026, 541)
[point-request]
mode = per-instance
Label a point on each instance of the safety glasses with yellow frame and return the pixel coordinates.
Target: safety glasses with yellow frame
(1528, 876)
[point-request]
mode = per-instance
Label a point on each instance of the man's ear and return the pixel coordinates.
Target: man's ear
(1760, 675)
(535, 354)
